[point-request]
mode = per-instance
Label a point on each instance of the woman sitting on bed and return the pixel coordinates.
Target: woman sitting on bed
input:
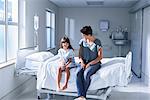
(67, 61)
(90, 54)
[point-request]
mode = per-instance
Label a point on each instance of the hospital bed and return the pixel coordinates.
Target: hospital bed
(114, 72)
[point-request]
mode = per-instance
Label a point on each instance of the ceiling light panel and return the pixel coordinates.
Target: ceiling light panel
(90, 3)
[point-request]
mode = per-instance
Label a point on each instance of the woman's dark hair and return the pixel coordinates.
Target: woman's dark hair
(65, 39)
(87, 30)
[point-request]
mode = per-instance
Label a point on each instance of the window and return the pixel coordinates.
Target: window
(8, 29)
(22, 24)
(50, 29)
(70, 28)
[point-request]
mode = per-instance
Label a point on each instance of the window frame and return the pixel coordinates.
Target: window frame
(51, 27)
(6, 24)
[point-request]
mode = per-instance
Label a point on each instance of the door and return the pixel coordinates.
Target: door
(146, 45)
(136, 41)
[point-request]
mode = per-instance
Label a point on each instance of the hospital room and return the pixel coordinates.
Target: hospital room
(74, 50)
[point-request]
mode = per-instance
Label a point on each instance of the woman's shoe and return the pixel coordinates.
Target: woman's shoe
(80, 98)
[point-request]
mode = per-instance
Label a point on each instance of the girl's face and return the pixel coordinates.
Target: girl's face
(65, 45)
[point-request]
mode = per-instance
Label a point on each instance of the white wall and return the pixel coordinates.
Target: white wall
(92, 16)
(37, 7)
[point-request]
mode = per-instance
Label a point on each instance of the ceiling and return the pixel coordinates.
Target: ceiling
(94, 3)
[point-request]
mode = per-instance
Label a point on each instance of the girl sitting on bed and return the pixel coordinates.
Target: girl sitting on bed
(67, 61)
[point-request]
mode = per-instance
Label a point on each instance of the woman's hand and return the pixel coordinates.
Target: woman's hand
(82, 63)
(87, 65)
(99, 57)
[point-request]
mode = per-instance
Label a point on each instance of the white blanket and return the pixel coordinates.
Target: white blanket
(114, 72)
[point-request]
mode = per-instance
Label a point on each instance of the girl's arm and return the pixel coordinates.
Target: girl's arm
(70, 56)
(100, 56)
(68, 62)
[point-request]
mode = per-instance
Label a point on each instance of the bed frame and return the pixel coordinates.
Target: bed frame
(104, 95)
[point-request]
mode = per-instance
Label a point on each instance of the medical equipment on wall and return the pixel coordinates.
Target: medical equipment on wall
(36, 27)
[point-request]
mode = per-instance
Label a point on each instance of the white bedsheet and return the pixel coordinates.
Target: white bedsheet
(114, 71)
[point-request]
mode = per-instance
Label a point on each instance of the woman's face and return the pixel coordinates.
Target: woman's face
(86, 37)
(65, 45)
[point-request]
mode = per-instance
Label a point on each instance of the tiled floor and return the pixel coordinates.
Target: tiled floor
(136, 90)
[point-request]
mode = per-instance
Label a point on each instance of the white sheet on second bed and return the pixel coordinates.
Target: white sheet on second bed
(33, 65)
(29, 61)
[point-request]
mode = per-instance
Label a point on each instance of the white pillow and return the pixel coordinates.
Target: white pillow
(21, 56)
(40, 56)
(32, 65)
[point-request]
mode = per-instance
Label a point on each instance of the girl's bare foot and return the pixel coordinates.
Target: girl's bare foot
(58, 88)
(64, 87)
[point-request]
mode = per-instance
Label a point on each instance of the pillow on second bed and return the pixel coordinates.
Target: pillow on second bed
(40, 56)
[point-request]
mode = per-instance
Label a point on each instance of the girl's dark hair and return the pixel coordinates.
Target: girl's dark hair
(87, 30)
(65, 39)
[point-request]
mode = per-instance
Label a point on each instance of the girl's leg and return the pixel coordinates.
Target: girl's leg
(67, 75)
(59, 74)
